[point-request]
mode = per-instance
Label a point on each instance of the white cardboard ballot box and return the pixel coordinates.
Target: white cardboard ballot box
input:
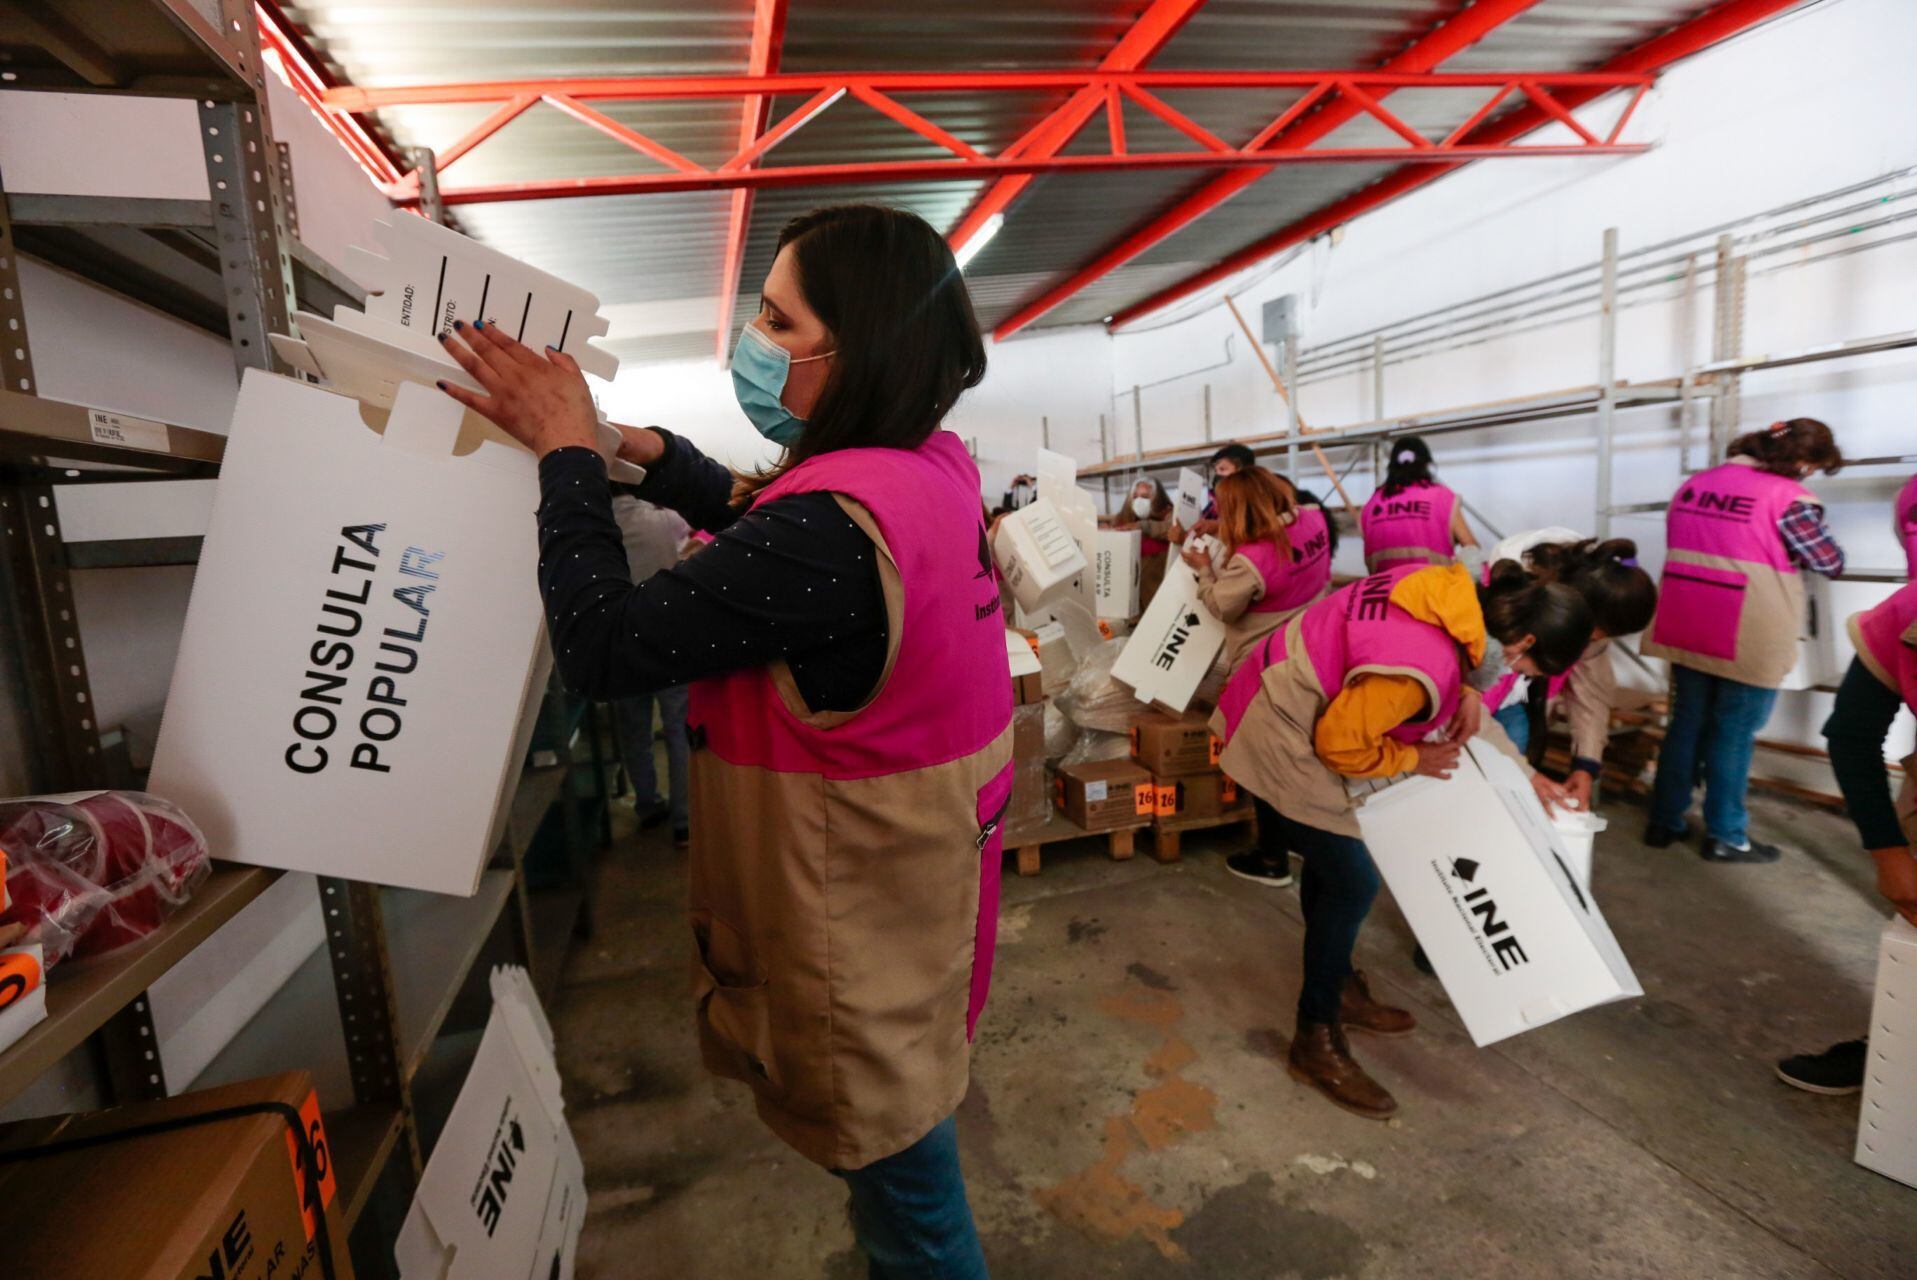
(357, 649)
(1173, 645)
(1115, 566)
(1483, 878)
(1818, 635)
(504, 1195)
(1189, 502)
(1887, 1121)
(1037, 554)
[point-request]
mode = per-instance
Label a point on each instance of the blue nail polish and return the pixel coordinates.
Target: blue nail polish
(441, 384)
(459, 324)
(479, 324)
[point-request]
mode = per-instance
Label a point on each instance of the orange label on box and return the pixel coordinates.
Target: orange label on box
(1167, 799)
(1033, 641)
(1144, 799)
(1134, 733)
(1104, 628)
(1228, 791)
(19, 975)
(1217, 748)
(322, 1156)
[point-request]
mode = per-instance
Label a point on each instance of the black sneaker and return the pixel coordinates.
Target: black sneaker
(681, 837)
(1714, 850)
(651, 813)
(1663, 837)
(1256, 867)
(1837, 1070)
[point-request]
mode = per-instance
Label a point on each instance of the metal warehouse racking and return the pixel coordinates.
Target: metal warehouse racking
(400, 970)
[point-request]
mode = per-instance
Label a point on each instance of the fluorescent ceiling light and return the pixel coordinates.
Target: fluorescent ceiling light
(969, 250)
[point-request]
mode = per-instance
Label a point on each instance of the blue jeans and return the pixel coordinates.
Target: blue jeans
(635, 744)
(1516, 719)
(1715, 720)
(910, 1214)
(1336, 890)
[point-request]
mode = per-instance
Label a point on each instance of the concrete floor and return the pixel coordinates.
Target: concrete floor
(1130, 1115)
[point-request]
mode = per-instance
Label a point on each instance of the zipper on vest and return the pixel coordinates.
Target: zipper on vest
(991, 824)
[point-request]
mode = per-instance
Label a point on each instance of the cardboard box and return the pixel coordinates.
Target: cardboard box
(1197, 795)
(1887, 1122)
(1172, 746)
(1027, 684)
(1028, 732)
(504, 1195)
(1115, 567)
(1484, 880)
(23, 988)
(223, 1198)
(1049, 643)
(1818, 638)
(1036, 554)
(1106, 795)
(1188, 504)
(1173, 645)
(1078, 511)
(362, 629)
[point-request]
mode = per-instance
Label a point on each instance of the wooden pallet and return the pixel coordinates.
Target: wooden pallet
(1056, 828)
(1166, 833)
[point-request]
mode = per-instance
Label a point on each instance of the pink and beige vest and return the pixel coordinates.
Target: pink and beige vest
(844, 869)
(1413, 525)
(1295, 580)
(1270, 710)
(1886, 640)
(1906, 509)
(1731, 603)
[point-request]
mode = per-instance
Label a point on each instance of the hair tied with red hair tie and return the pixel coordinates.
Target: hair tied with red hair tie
(1780, 428)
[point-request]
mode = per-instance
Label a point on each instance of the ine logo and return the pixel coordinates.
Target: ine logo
(502, 1162)
(232, 1252)
(1166, 655)
(1717, 505)
(1479, 911)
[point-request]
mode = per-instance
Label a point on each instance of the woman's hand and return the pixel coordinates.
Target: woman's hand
(1436, 759)
(1550, 794)
(1466, 720)
(1577, 788)
(539, 400)
(1195, 557)
(1897, 878)
(641, 446)
(1175, 533)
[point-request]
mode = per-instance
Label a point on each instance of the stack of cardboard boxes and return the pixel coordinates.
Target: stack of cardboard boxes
(1181, 754)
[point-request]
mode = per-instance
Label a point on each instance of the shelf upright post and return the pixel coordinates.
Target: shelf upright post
(1208, 413)
(1687, 385)
(1727, 343)
(1288, 356)
(1377, 377)
(426, 160)
(243, 170)
(1607, 379)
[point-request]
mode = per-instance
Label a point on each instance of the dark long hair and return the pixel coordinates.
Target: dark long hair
(1306, 498)
(1517, 605)
(908, 344)
(1786, 448)
(1410, 464)
(1621, 596)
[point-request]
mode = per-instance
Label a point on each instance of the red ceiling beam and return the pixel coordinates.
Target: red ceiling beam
(300, 66)
(1459, 33)
(1716, 24)
(823, 175)
(768, 39)
(1151, 32)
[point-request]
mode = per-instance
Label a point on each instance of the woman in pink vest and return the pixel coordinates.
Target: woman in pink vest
(1148, 510)
(1882, 678)
(1906, 516)
(1277, 560)
(1412, 518)
(1622, 598)
(1728, 616)
(851, 701)
(1358, 686)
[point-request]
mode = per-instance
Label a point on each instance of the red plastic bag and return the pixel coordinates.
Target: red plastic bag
(92, 872)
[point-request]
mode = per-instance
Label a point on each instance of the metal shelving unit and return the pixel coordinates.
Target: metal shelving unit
(401, 976)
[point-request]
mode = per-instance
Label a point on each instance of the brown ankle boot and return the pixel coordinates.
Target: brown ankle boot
(1357, 1011)
(1321, 1058)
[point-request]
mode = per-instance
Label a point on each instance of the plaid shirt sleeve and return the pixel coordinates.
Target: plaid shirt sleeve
(1809, 540)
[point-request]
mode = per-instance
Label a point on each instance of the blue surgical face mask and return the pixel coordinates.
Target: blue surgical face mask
(760, 367)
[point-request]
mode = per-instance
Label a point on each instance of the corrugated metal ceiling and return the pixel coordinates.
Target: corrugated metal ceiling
(660, 248)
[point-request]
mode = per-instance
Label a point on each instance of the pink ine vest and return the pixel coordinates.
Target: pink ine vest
(1886, 640)
(1356, 631)
(1149, 547)
(1906, 509)
(1294, 581)
(1494, 696)
(1731, 602)
(844, 877)
(1413, 524)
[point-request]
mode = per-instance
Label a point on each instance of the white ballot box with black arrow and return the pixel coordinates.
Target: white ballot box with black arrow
(1485, 881)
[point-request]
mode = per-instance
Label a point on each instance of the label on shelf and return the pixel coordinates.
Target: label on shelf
(128, 432)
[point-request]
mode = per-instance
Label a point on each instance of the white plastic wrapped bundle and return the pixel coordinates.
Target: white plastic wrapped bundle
(1097, 701)
(1096, 744)
(1060, 733)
